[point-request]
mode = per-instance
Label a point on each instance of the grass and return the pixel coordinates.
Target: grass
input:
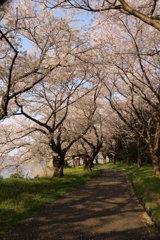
(20, 198)
(145, 175)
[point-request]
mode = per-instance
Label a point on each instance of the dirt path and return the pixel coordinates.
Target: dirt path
(102, 209)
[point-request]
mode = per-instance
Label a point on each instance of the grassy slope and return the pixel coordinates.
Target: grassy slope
(145, 175)
(19, 198)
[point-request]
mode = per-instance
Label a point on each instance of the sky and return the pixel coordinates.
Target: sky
(84, 19)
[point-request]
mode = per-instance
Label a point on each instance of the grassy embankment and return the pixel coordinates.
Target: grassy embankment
(145, 175)
(20, 198)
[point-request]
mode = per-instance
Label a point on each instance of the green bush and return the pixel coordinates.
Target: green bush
(66, 164)
(17, 175)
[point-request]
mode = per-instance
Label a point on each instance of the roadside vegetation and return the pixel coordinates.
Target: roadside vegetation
(20, 198)
(145, 175)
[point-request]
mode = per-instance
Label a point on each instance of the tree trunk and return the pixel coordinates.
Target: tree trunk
(154, 149)
(104, 154)
(140, 161)
(128, 162)
(91, 164)
(127, 156)
(77, 160)
(155, 163)
(139, 158)
(113, 159)
(73, 165)
(96, 159)
(86, 166)
(58, 162)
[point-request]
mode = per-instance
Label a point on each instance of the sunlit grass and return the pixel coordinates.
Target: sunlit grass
(19, 198)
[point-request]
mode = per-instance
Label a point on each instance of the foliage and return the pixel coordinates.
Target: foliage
(19, 198)
(66, 164)
(146, 11)
(17, 175)
(132, 151)
(144, 152)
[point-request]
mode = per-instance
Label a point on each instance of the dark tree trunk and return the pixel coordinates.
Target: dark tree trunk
(96, 159)
(114, 159)
(91, 164)
(127, 156)
(139, 158)
(58, 163)
(128, 162)
(154, 150)
(155, 163)
(140, 162)
(88, 164)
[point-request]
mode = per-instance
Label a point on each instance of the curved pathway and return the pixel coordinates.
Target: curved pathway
(102, 209)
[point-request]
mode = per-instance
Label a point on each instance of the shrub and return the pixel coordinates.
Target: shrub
(17, 175)
(66, 164)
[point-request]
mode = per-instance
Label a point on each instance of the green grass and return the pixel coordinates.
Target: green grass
(145, 175)
(20, 198)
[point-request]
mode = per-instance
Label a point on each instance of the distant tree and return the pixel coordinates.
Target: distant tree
(94, 147)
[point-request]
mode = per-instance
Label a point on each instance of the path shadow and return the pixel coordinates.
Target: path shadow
(101, 209)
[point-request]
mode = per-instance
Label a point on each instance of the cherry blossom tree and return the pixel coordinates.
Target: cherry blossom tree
(4, 4)
(57, 115)
(98, 136)
(62, 73)
(91, 144)
(52, 43)
(147, 11)
(132, 81)
(130, 65)
(41, 82)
